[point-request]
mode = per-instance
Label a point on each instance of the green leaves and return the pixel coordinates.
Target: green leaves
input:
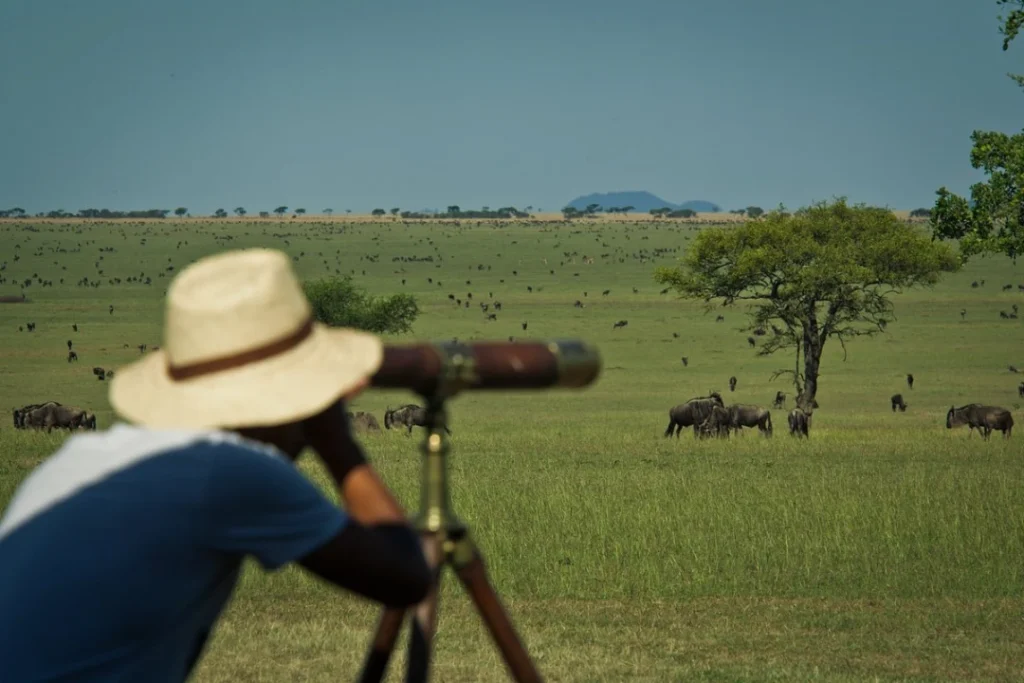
(993, 221)
(828, 264)
(337, 302)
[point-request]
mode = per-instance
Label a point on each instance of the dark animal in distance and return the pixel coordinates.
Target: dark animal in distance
(693, 413)
(1020, 390)
(910, 381)
(72, 356)
(621, 323)
(732, 383)
(52, 415)
(19, 413)
(746, 415)
(410, 415)
(983, 418)
(799, 423)
(716, 424)
(780, 400)
(896, 400)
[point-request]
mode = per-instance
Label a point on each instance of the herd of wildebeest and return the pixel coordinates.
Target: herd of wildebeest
(707, 415)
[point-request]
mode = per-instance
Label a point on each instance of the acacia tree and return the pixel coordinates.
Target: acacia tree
(825, 271)
(993, 221)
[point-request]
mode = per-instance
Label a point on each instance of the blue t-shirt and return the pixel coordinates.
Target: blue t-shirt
(119, 552)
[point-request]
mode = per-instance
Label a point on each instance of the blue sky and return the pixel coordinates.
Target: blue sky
(359, 104)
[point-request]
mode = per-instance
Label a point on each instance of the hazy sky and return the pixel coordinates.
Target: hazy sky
(419, 104)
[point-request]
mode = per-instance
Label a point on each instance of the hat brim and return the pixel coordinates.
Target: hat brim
(285, 388)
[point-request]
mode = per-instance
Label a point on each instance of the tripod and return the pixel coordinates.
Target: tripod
(446, 541)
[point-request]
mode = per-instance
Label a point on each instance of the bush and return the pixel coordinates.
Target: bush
(338, 303)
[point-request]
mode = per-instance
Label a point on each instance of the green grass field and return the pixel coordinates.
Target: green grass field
(885, 547)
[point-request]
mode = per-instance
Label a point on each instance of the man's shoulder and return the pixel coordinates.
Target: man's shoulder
(133, 454)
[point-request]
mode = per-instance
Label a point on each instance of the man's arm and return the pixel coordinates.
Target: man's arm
(261, 505)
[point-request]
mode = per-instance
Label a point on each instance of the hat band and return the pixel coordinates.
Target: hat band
(208, 367)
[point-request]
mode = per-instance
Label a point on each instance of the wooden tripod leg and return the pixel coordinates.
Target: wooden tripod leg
(384, 638)
(424, 621)
(470, 568)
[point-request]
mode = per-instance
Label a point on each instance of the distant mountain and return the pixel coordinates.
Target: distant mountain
(641, 201)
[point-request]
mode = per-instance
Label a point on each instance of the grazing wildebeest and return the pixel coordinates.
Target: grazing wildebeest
(799, 423)
(910, 381)
(897, 402)
(780, 399)
(52, 415)
(746, 415)
(410, 415)
(1020, 390)
(686, 361)
(717, 423)
(621, 323)
(752, 342)
(72, 356)
(20, 413)
(732, 383)
(69, 344)
(364, 421)
(693, 413)
(983, 418)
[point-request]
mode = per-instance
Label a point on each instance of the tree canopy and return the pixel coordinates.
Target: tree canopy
(824, 271)
(337, 302)
(993, 221)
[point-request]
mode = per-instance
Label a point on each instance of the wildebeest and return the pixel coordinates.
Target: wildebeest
(19, 413)
(72, 356)
(780, 399)
(693, 413)
(732, 383)
(1020, 390)
(983, 418)
(897, 402)
(718, 423)
(409, 415)
(364, 421)
(53, 415)
(621, 323)
(910, 381)
(746, 415)
(799, 423)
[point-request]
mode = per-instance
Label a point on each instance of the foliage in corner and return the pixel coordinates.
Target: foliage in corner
(337, 302)
(826, 271)
(993, 221)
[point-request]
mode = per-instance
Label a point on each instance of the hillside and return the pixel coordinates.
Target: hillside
(641, 201)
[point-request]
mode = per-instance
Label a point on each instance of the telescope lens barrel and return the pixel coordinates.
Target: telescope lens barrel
(450, 367)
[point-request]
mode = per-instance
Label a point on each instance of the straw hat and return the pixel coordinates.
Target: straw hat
(241, 349)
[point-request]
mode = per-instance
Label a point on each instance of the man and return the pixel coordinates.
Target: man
(119, 552)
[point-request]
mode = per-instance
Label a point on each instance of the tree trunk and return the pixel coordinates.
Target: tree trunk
(812, 361)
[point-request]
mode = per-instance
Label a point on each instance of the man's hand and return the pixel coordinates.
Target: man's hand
(366, 497)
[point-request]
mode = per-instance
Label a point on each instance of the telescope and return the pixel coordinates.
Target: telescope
(437, 372)
(447, 368)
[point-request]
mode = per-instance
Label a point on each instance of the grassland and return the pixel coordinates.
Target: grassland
(886, 547)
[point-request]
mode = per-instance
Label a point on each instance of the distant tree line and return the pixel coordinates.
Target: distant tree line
(454, 211)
